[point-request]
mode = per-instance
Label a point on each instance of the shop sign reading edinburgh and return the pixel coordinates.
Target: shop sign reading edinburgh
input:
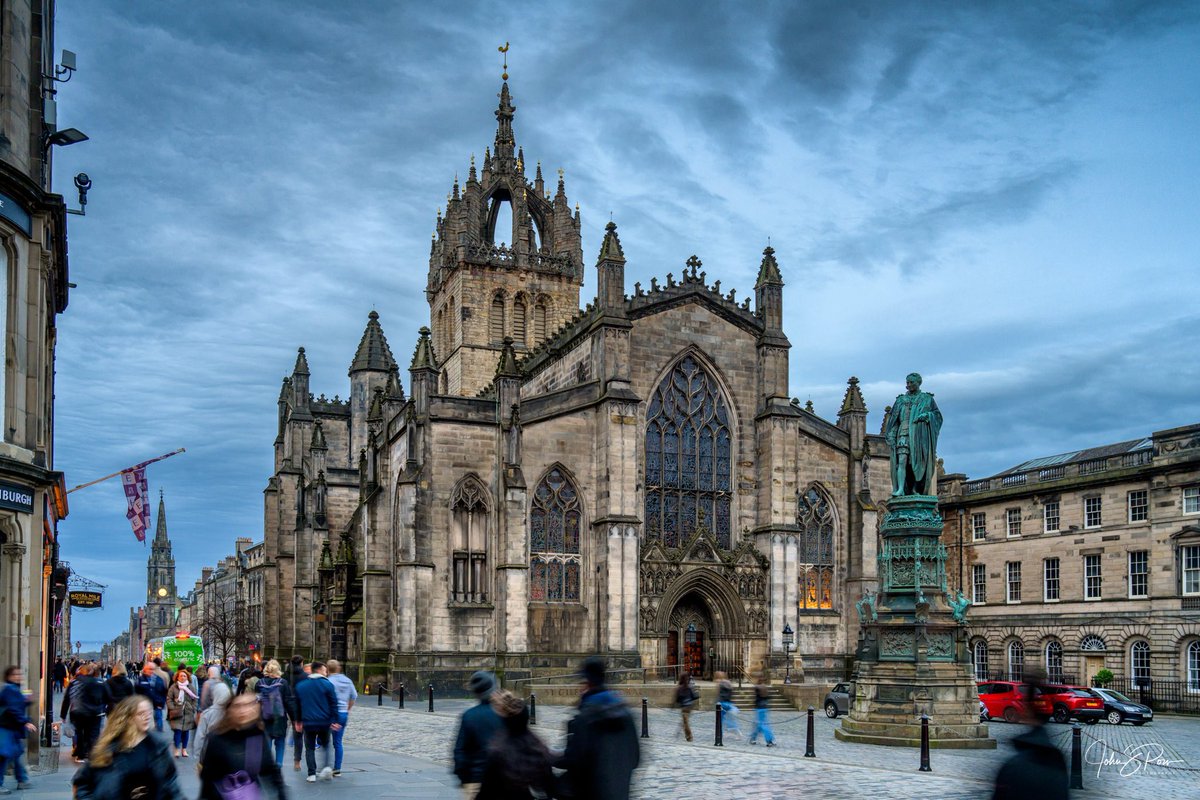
(80, 599)
(16, 498)
(12, 211)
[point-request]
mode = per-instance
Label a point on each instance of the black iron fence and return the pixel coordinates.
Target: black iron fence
(1176, 697)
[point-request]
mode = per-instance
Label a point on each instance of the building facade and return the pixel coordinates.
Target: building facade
(1084, 561)
(34, 284)
(629, 478)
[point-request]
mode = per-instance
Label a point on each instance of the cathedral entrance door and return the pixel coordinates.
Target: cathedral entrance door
(672, 648)
(693, 650)
(686, 636)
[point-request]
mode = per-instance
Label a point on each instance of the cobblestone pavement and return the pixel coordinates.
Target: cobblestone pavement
(672, 766)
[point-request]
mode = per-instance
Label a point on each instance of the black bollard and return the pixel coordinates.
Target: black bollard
(645, 718)
(1076, 756)
(380, 691)
(532, 708)
(402, 697)
(925, 744)
(431, 698)
(809, 752)
(720, 742)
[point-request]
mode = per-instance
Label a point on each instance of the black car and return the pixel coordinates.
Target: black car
(1119, 708)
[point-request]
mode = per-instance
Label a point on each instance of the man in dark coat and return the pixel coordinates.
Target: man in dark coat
(318, 716)
(602, 741)
(478, 726)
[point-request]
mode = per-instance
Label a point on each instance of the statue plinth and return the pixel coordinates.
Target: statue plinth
(912, 649)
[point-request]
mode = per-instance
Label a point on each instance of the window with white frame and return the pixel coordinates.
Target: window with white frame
(1091, 512)
(1050, 517)
(1191, 499)
(1139, 505)
(1016, 661)
(978, 584)
(1012, 519)
(1013, 569)
(1139, 573)
(1091, 577)
(1193, 666)
(979, 655)
(978, 526)
(1139, 663)
(1050, 584)
(1190, 561)
(1054, 661)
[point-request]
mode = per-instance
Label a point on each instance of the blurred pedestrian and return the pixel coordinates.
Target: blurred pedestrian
(60, 675)
(686, 698)
(729, 712)
(86, 702)
(237, 757)
(762, 721)
(346, 695)
(277, 705)
(476, 729)
(14, 725)
(219, 696)
(602, 742)
(151, 685)
(318, 718)
(128, 761)
(294, 676)
(181, 711)
(518, 762)
(1037, 770)
(119, 686)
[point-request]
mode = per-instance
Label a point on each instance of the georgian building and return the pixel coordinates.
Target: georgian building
(1084, 561)
(629, 478)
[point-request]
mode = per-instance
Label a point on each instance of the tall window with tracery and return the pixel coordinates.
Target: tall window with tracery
(519, 318)
(554, 532)
(496, 318)
(688, 457)
(814, 516)
(469, 519)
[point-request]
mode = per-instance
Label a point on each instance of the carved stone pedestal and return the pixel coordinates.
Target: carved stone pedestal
(912, 652)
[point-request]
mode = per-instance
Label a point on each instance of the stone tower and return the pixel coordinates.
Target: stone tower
(160, 580)
(487, 282)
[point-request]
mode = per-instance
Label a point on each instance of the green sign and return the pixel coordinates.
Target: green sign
(187, 650)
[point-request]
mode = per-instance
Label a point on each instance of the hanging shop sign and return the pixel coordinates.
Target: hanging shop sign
(86, 599)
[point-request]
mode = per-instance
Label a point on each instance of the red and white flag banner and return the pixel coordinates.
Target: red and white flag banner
(138, 497)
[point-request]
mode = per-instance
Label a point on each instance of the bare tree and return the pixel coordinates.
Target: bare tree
(226, 626)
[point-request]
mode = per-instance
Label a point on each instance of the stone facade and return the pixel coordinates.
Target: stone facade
(1106, 544)
(629, 478)
(162, 601)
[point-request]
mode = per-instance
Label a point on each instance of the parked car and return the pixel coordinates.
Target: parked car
(1002, 699)
(1118, 708)
(838, 701)
(1064, 703)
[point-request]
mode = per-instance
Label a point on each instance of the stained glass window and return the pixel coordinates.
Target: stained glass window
(814, 516)
(554, 539)
(688, 457)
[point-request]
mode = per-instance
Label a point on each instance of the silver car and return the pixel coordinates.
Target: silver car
(837, 701)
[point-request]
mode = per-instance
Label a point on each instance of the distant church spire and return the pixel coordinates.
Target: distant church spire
(160, 532)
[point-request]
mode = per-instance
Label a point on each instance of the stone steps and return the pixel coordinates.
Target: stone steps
(744, 699)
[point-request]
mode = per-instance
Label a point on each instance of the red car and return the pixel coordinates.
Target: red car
(1063, 703)
(1004, 699)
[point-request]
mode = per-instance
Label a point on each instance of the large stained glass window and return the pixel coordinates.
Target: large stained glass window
(554, 531)
(814, 516)
(689, 457)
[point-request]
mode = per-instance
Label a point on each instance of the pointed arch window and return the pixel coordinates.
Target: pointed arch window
(540, 315)
(814, 516)
(689, 457)
(519, 319)
(496, 318)
(469, 539)
(555, 525)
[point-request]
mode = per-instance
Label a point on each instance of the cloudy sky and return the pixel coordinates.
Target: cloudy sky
(1000, 195)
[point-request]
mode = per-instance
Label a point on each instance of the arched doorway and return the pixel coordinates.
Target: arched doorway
(690, 635)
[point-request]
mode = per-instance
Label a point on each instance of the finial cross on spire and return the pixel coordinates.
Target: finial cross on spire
(504, 50)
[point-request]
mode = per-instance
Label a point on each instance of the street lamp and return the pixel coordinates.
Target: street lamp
(788, 638)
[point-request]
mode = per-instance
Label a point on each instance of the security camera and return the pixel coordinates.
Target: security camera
(83, 183)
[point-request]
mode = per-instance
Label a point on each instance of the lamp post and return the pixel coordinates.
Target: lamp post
(788, 638)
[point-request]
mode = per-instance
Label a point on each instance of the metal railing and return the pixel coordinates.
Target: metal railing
(616, 676)
(1044, 474)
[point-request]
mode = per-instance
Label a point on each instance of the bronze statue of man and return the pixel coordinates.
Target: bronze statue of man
(912, 431)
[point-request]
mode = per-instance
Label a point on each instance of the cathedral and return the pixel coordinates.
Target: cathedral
(548, 481)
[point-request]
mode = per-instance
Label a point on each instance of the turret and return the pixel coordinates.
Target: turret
(423, 372)
(372, 366)
(773, 343)
(768, 292)
(508, 381)
(610, 272)
(300, 394)
(852, 417)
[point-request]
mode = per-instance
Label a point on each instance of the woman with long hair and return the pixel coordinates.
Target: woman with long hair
(237, 753)
(219, 695)
(518, 763)
(181, 711)
(277, 705)
(127, 761)
(119, 686)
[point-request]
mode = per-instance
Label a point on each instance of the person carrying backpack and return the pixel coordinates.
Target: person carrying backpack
(686, 697)
(276, 704)
(152, 687)
(86, 701)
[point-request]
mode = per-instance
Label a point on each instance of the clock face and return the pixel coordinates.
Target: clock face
(162, 591)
